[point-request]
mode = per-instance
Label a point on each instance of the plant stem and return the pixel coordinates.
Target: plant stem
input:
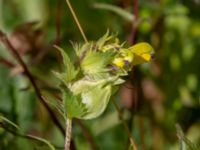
(68, 133)
(132, 141)
(76, 20)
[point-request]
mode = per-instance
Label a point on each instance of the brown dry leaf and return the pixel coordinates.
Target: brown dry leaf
(26, 37)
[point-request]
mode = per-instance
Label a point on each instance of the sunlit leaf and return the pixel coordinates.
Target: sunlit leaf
(73, 106)
(96, 62)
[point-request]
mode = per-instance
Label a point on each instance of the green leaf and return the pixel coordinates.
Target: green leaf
(95, 63)
(41, 140)
(121, 12)
(70, 72)
(72, 104)
(81, 50)
(100, 43)
(61, 77)
(2, 118)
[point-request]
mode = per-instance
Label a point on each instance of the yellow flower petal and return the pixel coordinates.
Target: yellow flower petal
(146, 57)
(119, 62)
(129, 56)
(141, 48)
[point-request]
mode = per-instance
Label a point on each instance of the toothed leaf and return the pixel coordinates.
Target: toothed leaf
(70, 72)
(96, 62)
(73, 106)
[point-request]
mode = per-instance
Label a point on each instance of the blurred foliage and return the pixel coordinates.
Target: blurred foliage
(167, 90)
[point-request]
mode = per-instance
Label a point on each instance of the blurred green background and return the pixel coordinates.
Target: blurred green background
(155, 98)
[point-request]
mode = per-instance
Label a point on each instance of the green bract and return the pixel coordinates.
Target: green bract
(88, 85)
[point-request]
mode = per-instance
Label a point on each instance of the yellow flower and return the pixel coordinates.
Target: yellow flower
(119, 62)
(129, 56)
(142, 53)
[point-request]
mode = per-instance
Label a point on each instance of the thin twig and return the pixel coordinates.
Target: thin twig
(132, 141)
(13, 51)
(6, 62)
(76, 20)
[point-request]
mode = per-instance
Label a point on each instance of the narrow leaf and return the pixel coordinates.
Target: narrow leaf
(119, 11)
(41, 140)
(9, 122)
(27, 136)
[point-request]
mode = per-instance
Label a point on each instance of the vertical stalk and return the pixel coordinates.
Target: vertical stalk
(68, 133)
(69, 121)
(76, 20)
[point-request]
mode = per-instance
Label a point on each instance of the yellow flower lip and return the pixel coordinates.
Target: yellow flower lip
(146, 57)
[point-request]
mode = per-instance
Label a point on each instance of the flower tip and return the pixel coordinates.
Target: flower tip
(147, 57)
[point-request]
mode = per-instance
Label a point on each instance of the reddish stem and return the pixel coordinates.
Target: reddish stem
(13, 51)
